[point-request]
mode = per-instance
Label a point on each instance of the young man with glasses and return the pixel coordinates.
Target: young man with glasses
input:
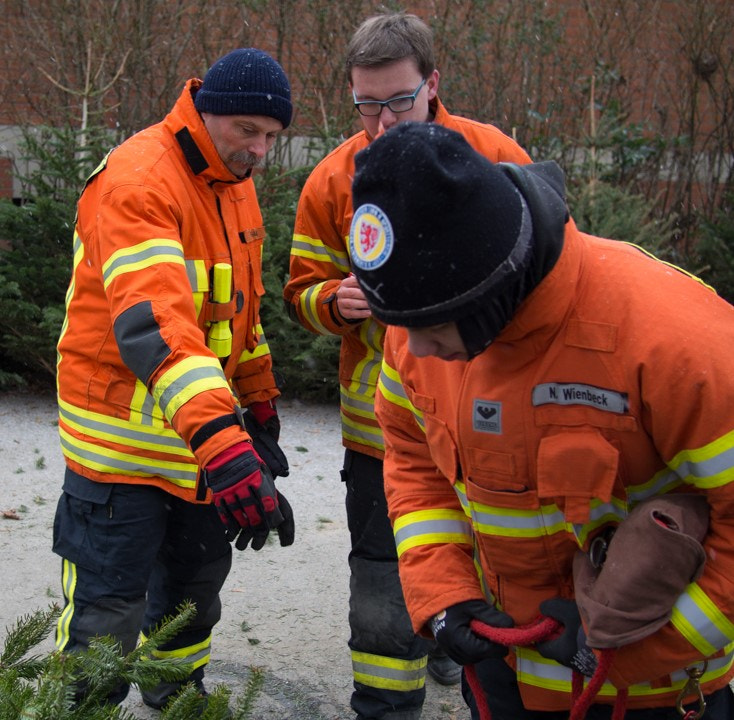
(392, 76)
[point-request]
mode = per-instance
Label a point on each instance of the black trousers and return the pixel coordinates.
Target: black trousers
(503, 695)
(131, 554)
(378, 620)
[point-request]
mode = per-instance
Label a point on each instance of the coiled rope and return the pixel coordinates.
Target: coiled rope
(542, 629)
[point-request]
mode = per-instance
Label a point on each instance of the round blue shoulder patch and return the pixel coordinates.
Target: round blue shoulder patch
(370, 237)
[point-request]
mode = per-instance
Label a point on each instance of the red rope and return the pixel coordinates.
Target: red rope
(542, 629)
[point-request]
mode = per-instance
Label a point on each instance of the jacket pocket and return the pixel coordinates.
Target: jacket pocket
(440, 442)
(574, 468)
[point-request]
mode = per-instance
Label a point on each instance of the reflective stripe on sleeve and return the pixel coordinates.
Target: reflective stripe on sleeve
(431, 527)
(187, 379)
(700, 621)
(310, 303)
(140, 256)
(314, 249)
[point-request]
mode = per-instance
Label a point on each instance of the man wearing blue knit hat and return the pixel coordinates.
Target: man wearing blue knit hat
(165, 384)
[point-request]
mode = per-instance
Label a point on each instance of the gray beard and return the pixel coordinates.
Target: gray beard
(245, 158)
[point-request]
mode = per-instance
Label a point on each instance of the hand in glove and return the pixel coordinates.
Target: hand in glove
(452, 632)
(264, 438)
(246, 498)
(569, 648)
(266, 414)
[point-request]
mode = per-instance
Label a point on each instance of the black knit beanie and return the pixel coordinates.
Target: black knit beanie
(439, 233)
(246, 82)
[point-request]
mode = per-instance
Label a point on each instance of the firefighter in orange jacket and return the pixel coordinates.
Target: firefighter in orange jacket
(537, 384)
(160, 351)
(393, 78)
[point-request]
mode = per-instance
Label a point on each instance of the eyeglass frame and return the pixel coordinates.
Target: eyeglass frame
(386, 103)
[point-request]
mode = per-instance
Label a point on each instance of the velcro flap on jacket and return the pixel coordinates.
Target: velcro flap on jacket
(574, 468)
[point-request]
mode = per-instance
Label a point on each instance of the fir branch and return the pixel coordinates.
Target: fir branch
(28, 631)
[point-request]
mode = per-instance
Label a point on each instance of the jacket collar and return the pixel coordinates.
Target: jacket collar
(198, 151)
(539, 317)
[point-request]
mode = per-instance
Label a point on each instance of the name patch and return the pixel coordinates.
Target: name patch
(487, 417)
(579, 394)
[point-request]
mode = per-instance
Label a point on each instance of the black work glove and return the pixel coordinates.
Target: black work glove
(569, 648)
(453, 634)
(245, 496)
(265, 438)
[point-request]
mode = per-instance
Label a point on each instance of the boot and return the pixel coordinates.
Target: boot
(442, 668)
(162, 693)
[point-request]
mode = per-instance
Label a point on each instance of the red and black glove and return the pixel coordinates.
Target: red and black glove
(266, 414)
(246, 498)
(569, 648)
(453, 633)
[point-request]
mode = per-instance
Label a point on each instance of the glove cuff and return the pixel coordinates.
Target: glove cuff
(263, 410)
(584, 661)
(242, 463)
(229, 454)
(437, 622)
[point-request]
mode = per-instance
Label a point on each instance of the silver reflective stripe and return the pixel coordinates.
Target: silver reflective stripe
(122, 432)
(182, 383)
(128, 464)
(434, 527)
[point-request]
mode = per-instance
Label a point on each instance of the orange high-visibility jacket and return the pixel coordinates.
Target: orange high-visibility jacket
(320, 260)
(138, 386)
(612, 383)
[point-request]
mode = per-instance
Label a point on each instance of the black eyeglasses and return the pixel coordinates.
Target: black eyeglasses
(400, 104)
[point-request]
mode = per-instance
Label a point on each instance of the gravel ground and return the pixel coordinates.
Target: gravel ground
(284, 609)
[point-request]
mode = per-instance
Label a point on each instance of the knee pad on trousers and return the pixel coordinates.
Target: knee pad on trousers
(117, 617)
(378, 619)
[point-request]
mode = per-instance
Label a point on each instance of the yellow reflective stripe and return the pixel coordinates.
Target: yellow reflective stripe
(143, 409)
(360, 403)
(535, 670)
(314, 249)
(671, 265)
(661, 483)
(196, 655)
(199, 281)
(122, 432)
(114, 462)
(431, 527)
(706, 467)
(701, 622)
(185, 380)
(198, 276)
(367, 370)
(68, 584)
(391, 388)
(363, 434)
(310, 305)
(510, 522)
(78, 254)
(262, 348)
(140, 256)
(388, 673)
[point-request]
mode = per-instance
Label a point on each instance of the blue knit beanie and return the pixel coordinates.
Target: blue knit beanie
(246, 82)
